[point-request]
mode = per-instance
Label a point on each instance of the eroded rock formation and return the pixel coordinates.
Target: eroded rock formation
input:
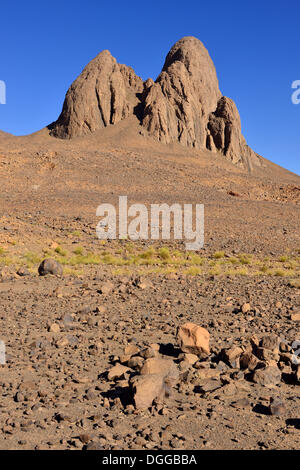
(104, 93)
(183, 105)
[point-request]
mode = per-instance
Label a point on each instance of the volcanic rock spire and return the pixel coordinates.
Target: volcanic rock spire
(183, 105)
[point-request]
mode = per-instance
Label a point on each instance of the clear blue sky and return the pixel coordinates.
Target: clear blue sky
(254, 45)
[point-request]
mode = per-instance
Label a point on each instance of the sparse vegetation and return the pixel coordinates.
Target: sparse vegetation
(219, 254)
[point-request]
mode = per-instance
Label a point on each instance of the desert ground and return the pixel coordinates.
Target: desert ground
(74, 342)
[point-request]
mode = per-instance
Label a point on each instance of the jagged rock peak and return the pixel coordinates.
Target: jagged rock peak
(183, 105)
(104, 93)
(178, 105)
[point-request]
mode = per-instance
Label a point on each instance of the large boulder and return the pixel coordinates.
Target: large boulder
(193, 339)
(147, 388)
(50, 266)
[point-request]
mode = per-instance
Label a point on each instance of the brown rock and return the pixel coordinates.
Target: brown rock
(183, 105)
(103, 94)
(189, 358)
(131, 350)
(270, 342)
(246, 308)
(193, 339)
(106, 288)
(178, 104)
(54, 328)
(225, 131)
(267, 376)
(50, 266)
(147, 388)
(295, 316)
(232, 356)
(117, 372)
(165, 367)
(267, 355)
(277, 407)
(204, 374)
(135, 362)
(248, 361)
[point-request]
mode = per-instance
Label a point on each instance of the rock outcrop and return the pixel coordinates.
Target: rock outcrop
(183, 105)
(104, 93)
(178, 105)
(224, 134)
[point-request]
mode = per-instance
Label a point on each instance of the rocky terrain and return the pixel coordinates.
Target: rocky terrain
(142, 345)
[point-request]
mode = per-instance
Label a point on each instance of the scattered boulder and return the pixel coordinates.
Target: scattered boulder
(50, 266)
(270, 342)
(117, 372)
(232, 356)
(189, 358)
(54, 328)
(267, 376)
(277, 407)
(147, 388)
(135, 362)
(193, 339)
(248, 361)
(165, 367)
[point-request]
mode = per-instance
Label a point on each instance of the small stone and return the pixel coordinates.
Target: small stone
(189, 358)
(270, 342)
(106, 288)
(246, 308)
(135, 362)
(62, 343)
(84, 438)
(131, 350)
(267, 355)
(295, 316)
(242, 403)
(277, 407)
(94, 446)
(23, 271)
(148, 353)
(54, 328)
